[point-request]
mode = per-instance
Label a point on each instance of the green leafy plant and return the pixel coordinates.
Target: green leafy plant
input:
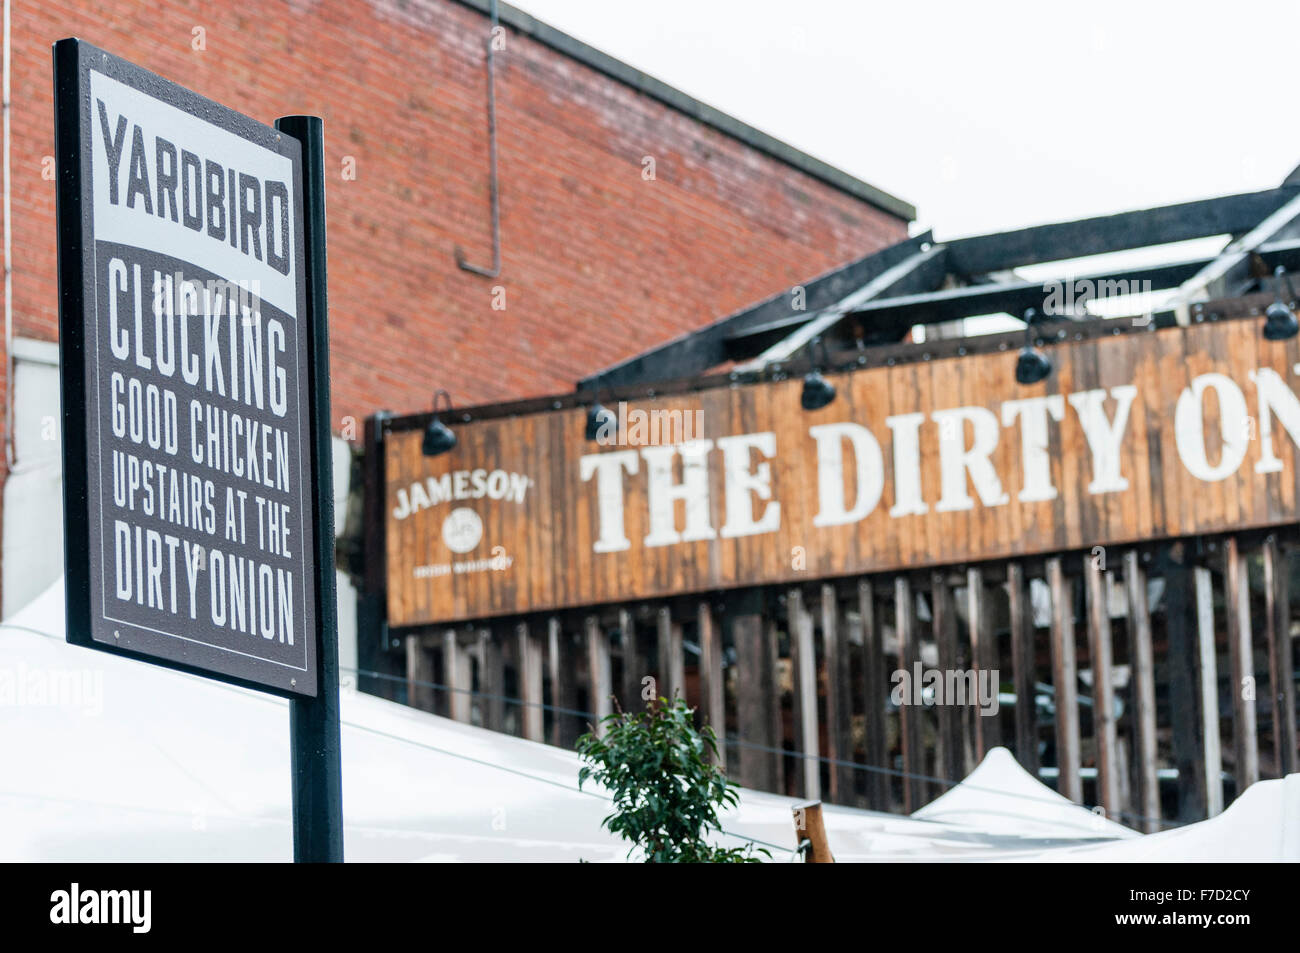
(666, 790)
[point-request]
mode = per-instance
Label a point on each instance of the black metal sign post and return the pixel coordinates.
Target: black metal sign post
(314, 722)
(193, 335)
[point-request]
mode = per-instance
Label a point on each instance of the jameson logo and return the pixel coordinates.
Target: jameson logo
(102, 907)
(461, 485)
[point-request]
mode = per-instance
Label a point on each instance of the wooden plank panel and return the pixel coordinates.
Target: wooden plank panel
(712, 686)
(1103, 693)
(772, 645)
(875, 692)
(599, 679)
(672, 662)
(943, 614)
(530, 654)
(804, 656)
(755, 697)
(491, 667)
(1142, 662)
(984, 658)
(1209, 691)
(457, 675)
(1064, 681)
(526, 515)
(1241, 661)
(915, 789)
(1281, 675)
(633, 663)
(558, 676)
(839, 707)
(1022, 663)
(419, 674)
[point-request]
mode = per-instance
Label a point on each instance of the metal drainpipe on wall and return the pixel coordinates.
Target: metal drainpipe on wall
(8, 249)
(495, 270)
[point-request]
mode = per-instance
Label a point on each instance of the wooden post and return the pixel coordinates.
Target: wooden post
(633, 670)
(775, 695)
(943, 614)
(839, 706)
(1207, 652)
(1103, 692)
(555, 670)
(875, 692)
(491, 682)
(1281, 673)
(458, 676)
(1142, 665)
(1241, 660)
(672, 671)
(712, 687)
(419, 674)
(984, 658)
(909, 734)
(809, 825)
(1022, 668)
(1064, 681)
(529, 650)
(600, 682)
(805, 693)
(755, 695)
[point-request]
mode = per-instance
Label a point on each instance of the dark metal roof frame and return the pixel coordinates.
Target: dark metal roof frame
(919, 281)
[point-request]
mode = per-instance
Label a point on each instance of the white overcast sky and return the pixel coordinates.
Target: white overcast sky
(987, 116)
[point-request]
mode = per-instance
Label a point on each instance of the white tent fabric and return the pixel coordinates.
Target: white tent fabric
(1263, 825)
(107, 759)
(1001, 796)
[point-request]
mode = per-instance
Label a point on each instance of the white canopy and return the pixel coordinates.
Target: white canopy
(110, 759)
(1001, 796)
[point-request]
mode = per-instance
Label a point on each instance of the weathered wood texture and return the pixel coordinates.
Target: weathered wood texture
(915, 788)
(804, 657)
(875, 692)
(713, 689)
(1064, 679)
(1280, 663)
(1059, 491)
(1023, 661)
(839, 703)
(1241, 663)
(1103, 692)
(1142, 663)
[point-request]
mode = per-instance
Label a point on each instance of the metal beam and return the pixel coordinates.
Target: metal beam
(896, 314)
(696, 352)
(1225, 215)
(1234, 260)
(924, 267)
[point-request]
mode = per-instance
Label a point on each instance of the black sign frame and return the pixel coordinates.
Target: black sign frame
(73, 60)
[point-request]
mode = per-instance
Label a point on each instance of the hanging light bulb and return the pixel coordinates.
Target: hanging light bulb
(1280, 323)
(438, 437)
(600, 419)
(817, 390)
(1032, 366)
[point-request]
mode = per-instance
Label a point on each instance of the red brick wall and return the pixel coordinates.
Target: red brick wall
(599, 264)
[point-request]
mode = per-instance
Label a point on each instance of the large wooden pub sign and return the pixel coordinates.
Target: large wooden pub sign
(1133, 437)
